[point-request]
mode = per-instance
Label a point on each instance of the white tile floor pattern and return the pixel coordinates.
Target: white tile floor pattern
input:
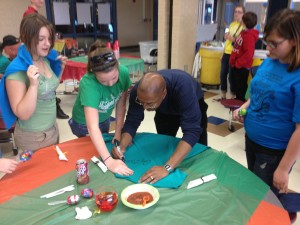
(232, 144)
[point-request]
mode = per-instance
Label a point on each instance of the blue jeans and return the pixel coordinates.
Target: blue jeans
(263, 163)
(80, 130)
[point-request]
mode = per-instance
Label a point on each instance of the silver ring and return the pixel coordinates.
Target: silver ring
(152, 178)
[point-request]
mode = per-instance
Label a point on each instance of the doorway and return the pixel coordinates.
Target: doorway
(135, 19)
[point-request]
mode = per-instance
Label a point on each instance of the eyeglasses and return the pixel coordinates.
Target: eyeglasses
(146, 105)
(239, 12)
(103, 59)
(273, 44)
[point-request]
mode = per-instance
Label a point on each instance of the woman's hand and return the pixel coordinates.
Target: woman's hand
(63, 60)
(8, 165)
(118, 166)
(33, 74)
(236, 116)
(281, 180)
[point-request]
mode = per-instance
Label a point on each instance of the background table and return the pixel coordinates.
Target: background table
(76, 67)
(236, 197)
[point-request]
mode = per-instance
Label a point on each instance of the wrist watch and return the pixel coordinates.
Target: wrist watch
(168, 167)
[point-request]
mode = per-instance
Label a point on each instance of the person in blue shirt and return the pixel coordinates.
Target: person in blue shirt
(272, 122)
(178, 101)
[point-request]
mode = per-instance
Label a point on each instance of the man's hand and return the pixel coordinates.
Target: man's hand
(154, 174)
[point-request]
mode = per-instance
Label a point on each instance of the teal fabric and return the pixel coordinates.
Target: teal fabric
(141, 156)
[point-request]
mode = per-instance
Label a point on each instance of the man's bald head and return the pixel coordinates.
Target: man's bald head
(152, 84)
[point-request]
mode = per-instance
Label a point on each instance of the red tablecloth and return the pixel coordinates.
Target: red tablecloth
(76, 67)
(73, 70)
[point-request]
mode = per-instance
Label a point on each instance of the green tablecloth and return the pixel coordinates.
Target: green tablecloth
(231, 199)
(134, 65)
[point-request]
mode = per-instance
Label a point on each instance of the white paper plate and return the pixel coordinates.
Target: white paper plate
(139, 188)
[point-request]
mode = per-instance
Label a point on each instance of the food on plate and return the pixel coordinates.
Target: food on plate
(140, 198)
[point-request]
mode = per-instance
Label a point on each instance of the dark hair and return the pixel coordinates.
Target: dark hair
(249, 19)
(101, 58)
(286, 23)
(30, 29)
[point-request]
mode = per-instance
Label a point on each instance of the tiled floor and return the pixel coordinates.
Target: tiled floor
(218, 137)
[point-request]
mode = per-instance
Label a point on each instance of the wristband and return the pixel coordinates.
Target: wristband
(106, 159)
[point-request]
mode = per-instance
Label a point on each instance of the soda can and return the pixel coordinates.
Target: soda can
(82, 172)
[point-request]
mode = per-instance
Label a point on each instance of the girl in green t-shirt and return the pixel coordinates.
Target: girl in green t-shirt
(101, 89)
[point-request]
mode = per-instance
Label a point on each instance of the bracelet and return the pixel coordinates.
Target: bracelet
(106, 159)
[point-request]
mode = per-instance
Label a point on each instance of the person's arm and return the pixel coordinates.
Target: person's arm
(23, 102)
(236, 116)
(92, 121)
(134, 117)
(120, 115)
(247, 49)
(135, 114)
(8, 165)
(63, 60)
(228, 36)
(158, 172)
(190, 124)
(281, 174)
(126, 140)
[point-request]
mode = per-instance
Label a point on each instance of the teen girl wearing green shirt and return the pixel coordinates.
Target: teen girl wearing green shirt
(101, 89)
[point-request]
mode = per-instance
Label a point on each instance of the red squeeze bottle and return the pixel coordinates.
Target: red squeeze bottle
(116, 49)
(108, 45)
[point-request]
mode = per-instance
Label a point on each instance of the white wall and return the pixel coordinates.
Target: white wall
(11, 14)
(134, 21)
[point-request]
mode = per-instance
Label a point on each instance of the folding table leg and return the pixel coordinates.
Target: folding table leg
(230, 124)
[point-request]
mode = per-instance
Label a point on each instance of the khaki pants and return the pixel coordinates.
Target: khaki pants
(27, 140)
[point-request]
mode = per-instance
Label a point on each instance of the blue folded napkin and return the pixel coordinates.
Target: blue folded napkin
(150, 150)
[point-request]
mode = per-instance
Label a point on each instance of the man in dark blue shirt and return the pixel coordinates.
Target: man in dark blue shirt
(178, 101)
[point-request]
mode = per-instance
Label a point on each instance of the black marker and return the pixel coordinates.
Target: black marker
(117, 144)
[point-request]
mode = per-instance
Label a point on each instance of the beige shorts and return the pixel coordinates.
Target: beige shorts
(26, 140)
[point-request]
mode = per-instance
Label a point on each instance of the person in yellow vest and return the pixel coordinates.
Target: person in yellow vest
(233, 32)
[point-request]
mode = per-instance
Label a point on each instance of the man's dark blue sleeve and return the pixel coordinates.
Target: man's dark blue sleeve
(135, 114)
